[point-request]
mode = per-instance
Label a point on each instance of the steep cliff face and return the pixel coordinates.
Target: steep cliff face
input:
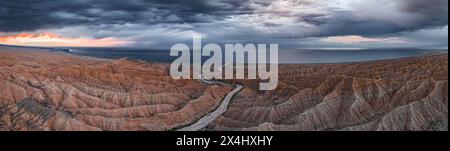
(393, 95)
(55, 91)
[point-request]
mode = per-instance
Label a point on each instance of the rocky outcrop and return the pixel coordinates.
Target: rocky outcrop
(40, 90)
(393, 95)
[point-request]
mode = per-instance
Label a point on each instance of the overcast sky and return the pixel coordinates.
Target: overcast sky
(290, 23)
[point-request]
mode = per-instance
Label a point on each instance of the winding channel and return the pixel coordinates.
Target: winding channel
(208, 118)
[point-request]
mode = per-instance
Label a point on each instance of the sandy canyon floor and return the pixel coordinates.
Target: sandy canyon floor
(54, 91)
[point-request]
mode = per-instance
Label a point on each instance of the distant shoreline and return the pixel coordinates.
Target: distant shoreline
(67, 51)
(371, 61)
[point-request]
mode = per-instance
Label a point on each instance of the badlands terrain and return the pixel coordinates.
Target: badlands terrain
(41, 90)
(54, 91)
(408, 94)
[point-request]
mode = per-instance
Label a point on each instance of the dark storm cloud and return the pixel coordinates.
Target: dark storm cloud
(28, 15)
(435, 12)
(404, 15)
(163, 21)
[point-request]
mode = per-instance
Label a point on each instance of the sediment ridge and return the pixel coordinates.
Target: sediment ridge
(54, 91)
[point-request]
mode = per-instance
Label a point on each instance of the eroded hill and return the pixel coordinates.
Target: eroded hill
(40, 90)
(392, 95)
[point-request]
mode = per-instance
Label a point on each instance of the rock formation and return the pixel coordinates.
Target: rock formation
(40, 90)
(390, 95)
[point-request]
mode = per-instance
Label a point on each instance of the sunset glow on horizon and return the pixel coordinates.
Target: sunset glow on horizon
(54, 40)
(353, 39)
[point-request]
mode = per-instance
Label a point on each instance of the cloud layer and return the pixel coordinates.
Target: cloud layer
(293, 23)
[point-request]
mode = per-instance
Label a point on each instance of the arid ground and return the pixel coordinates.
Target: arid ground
(55, 91)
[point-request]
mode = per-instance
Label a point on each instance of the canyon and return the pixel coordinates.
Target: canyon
(55, 91)
(52, 91)
(409, 94)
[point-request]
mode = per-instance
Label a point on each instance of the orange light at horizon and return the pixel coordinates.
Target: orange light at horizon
(355, 39)
(54, 40)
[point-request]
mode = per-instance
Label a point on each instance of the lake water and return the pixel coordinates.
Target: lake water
(302, 56)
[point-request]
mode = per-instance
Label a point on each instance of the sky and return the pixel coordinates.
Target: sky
(159, 24)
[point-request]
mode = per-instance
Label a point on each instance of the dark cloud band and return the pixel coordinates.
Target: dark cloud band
(31, 15)
(28, 15)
